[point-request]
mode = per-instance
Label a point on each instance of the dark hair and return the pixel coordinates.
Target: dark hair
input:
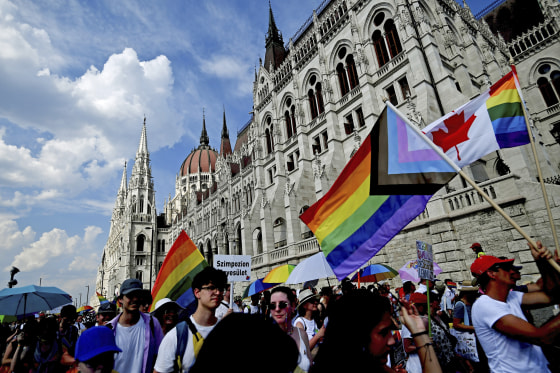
(209, 275)
(286, 290)
(68, 311)
(240, 333)
(364, 309)
(482, 280)
(407, 287)
(327, 291)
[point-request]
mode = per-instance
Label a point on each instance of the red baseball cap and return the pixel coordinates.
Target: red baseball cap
(485, 262)
(476, 244)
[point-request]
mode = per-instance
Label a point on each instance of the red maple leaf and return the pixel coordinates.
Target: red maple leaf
(457, 132)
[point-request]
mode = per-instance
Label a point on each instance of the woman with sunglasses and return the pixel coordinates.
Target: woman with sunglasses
(307, 309)
(282, 306)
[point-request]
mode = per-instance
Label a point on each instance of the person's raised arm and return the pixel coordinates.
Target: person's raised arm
(550, 276)
(424, 344)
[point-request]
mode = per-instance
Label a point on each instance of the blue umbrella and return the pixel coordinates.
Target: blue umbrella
(30, 299)
(256, 287)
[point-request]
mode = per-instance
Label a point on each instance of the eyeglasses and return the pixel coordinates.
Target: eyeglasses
(280, 305)
(212, 288)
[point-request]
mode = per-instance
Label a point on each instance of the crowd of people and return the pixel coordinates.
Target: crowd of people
(431, 326)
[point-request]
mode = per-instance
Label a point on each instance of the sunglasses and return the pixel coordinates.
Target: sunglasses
(280, 305)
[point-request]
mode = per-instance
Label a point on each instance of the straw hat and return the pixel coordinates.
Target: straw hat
(306, 295)
(467, 285)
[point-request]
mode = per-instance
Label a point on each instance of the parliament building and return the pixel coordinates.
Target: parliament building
(316, 97)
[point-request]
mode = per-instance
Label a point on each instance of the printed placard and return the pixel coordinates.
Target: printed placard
(425, 260)
(236, 267)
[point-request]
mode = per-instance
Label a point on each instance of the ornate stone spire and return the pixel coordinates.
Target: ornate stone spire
(225, 145)
(143, 146)
(274, 43)
(204, 139)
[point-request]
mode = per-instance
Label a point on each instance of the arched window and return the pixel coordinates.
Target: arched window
(385, 38)
(257, 241)
(315, 97)
(392, 38)
(140, 242)
(319, 95)
(134, 204)
(141, 204)
(342, 82)
(549, 84)
(139, 275)
(312, 103)
(380, 50)
(352, 73)
(290, 118)
(269, 136)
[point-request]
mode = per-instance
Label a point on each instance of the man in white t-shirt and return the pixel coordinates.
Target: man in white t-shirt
(208, 287)
(509, 341)
(224, 308)
(136, 333)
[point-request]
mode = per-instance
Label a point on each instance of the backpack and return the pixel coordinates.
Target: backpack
(183, 340)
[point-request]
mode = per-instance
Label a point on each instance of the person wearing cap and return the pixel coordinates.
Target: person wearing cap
(208, 288)
(477, 249)
(95, 350)
(105, 313)
(167, 313)
(307, 306)
(138, 334)
(509, 341)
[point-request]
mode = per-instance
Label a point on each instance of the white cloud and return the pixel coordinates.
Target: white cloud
(87, 263)
(54, 245)
(12, 237)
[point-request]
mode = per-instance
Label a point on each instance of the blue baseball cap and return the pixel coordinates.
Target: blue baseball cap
(130, 285)
(95, 341)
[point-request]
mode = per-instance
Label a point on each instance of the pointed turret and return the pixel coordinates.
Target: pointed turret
(275, 52)
(122, 189)
(225, 145)
(204, 139)
(143, 146)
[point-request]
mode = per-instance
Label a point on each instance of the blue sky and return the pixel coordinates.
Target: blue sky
(77, 78)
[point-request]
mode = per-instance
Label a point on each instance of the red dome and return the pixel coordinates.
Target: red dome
(202, 159)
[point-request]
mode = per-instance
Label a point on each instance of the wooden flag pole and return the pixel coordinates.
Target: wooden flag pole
(475, 186)
(537, 163)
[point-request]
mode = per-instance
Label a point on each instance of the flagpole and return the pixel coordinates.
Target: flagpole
(473, 184)
(533, 147)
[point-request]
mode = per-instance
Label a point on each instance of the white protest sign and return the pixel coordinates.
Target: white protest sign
(425, 261)
(236, 267)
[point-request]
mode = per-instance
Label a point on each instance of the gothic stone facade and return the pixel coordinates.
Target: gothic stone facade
(315, 99)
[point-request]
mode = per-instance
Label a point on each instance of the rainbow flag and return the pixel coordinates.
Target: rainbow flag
(182, 263)
(101, 298)
(492, 121)
(358, 215)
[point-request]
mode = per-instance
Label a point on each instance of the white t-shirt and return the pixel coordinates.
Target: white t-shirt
(413, 364)
(310, 326)
(505, 354)
(168, 347)
(221, 310)
(131, 341)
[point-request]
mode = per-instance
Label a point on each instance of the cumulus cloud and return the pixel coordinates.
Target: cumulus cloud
(91, 123)
(54, 245)
(13, 237)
